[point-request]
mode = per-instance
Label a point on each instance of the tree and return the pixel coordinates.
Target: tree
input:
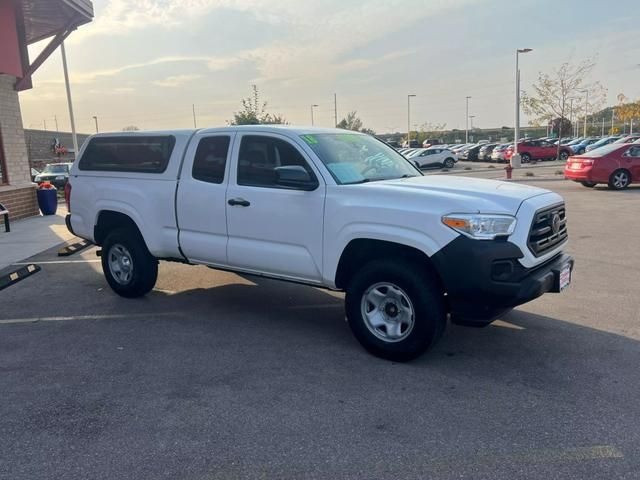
(254, 111)
(559, 125)
(130, 128)
(351, 122)
(553, 92)
(626, 110)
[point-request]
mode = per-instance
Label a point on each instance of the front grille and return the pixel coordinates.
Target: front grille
(548, 230)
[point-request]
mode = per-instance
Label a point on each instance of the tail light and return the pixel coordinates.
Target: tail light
(587, 162)
(67, 196)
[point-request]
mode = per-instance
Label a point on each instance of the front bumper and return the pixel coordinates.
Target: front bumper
(483, 279)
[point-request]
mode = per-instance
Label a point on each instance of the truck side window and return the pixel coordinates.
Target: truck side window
(259, 156)
(211, 159)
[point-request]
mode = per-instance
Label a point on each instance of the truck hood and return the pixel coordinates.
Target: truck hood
(474, 194)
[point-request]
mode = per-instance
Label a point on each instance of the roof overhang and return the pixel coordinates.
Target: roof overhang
(37, 20)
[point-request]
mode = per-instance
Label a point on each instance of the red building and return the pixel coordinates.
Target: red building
(23, 22)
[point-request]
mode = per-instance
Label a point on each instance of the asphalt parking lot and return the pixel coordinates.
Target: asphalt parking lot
(214, 375)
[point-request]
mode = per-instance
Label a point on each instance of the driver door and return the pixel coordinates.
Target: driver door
(273, 229)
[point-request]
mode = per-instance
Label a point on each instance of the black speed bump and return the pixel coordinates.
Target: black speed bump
(11, 276)
(73, 248)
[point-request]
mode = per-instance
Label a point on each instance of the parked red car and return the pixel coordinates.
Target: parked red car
(617, 165)
(538, 150)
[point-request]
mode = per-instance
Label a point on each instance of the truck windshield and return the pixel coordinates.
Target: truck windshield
(355, 158)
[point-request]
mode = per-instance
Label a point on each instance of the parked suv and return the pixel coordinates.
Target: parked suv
(538, 150)
(55, 173)
(324, 207)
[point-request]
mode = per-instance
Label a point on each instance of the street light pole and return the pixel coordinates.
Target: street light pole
(586, 111)
(95, 118)
(312, 106)
(409, 119)
(517, 125)
(466, 130)
(68, 87)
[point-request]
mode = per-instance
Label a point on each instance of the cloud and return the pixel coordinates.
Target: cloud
(176, 80)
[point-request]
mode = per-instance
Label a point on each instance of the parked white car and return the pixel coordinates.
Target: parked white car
(323, 207)
(434, 157)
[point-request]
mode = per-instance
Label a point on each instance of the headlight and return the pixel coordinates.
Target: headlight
(479, 226)
(60, 177)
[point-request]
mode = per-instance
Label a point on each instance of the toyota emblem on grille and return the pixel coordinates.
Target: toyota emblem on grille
(555, 223)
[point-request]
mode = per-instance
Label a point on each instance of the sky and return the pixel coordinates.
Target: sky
(146, 62)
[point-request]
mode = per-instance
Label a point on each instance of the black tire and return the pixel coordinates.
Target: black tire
(588, 184)
(620, 179)
(564, 155)
(426, 300)
(143, 270)
(525, 157)
(449, 163)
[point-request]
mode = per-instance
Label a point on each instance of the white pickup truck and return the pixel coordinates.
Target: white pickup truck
(327, 208)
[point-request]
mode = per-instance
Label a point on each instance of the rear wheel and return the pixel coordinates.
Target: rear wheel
(588, 184)
(395, 309)
(564, 155)
(449, 163)
(619, 180)
(129, 268)
(525, 157)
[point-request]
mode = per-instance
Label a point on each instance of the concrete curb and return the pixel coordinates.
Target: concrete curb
(11, 275)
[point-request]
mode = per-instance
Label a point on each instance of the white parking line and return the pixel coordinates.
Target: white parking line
(58, 261)
(90, 317)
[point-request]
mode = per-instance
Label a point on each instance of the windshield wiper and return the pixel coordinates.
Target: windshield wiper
(364, 180)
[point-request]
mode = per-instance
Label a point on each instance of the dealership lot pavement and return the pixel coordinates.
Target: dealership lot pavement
(214, 375)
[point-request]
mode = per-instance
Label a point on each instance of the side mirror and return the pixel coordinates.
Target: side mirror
(295, 176)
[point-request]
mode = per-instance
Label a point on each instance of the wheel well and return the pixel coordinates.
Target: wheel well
(108, 221)
(362, 250)
(623, 170)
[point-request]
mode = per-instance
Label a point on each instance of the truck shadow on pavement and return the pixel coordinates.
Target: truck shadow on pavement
(269, 373)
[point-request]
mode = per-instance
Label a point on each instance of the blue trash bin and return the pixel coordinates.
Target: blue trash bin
(48, 200)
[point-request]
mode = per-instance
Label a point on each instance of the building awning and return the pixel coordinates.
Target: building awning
(46, 18)
(40, 19)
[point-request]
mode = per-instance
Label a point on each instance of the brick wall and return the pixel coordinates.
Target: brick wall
(21, 202)
(19, 196)
(15, 149)
(39, 146)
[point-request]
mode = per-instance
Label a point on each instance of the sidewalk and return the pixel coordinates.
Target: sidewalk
(31, 236)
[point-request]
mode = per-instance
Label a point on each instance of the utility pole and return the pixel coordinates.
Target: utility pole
(69, 101)
(409, 119)
(193, 109)
(55, 117)
(517, 125)
(586, 111)
(613, 115)
(314, 105)
(45, 124)
(466, 130)
(602, 133)
(335, 109)
(96, 120)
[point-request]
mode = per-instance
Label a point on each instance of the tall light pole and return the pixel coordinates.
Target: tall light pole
(586, 111)
(517, 126)
(466, 130)
(471, 117)
(613, 116)
(95, 119)
(312, 107)
(335, 109)
(68, 86)
(409, 119)
(193, 110)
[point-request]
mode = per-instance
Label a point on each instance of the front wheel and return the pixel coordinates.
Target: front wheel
(564, 155)
(449, 163)
(395, 309)
(525, 157)
(129, 268)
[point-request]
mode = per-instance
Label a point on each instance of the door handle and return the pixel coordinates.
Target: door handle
(239, 202)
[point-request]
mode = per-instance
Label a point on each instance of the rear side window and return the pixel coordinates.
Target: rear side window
(149, 154)
(211, 159)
